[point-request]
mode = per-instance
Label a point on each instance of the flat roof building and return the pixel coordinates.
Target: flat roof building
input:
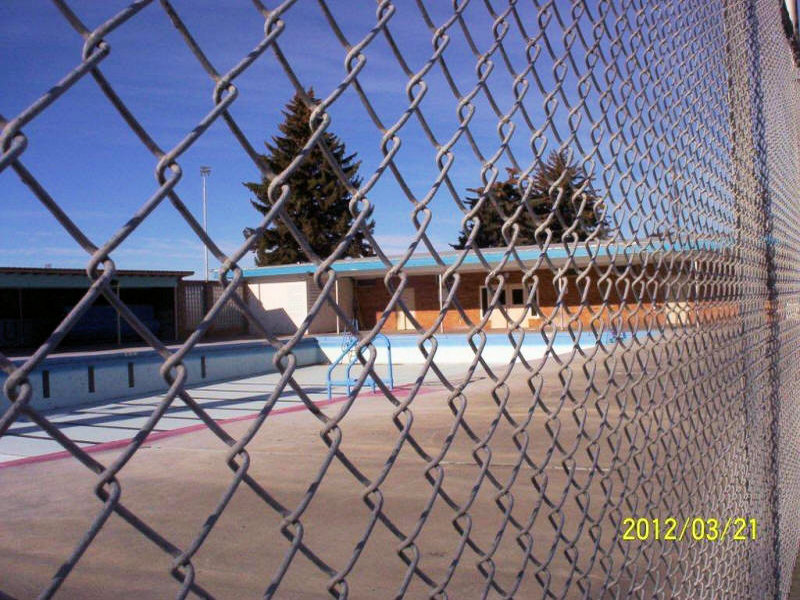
(33, 301)
(283, 295)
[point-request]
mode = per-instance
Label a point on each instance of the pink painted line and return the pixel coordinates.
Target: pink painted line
(160, 435)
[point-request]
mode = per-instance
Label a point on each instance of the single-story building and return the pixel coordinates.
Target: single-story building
(282, 295)
(33, 301)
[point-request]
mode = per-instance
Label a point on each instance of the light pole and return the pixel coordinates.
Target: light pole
(204, 173)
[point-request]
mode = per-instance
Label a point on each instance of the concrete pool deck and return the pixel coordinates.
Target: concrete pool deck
(172, 485)
(109, 425)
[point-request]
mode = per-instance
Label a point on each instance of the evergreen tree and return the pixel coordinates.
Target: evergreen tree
(505, 197)
(318, 200)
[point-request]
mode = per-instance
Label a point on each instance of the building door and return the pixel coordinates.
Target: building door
(403, 322)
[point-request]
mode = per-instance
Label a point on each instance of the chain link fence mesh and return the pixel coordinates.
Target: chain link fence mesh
(685, 114)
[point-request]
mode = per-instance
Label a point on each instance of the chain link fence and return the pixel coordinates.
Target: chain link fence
(685, 115)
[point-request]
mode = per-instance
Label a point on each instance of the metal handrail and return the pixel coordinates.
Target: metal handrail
(348, 381)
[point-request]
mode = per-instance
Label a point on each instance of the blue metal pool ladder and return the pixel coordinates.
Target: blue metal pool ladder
(614, 336)
(349, 342)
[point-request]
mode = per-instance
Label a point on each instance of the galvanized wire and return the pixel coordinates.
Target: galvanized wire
(685, 114)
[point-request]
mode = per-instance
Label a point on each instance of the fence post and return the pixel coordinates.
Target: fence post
(754, 221)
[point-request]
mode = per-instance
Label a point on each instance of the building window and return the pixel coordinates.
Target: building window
(516, 293)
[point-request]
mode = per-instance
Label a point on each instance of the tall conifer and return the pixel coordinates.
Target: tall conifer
(558, 187)
(318, 200)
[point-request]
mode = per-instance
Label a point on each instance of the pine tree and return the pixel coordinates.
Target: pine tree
(318, 200)
(575, 187)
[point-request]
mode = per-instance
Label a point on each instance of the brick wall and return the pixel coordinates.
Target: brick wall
(581, 304)
(372, 297)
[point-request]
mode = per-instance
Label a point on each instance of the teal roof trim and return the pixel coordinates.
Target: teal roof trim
(493, 256)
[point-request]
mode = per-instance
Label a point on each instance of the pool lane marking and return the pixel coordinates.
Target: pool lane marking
(160, 435)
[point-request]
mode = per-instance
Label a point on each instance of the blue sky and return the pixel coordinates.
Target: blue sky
(84, 154)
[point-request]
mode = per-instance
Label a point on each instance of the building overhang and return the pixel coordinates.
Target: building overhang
(605, 253)
(47, 277)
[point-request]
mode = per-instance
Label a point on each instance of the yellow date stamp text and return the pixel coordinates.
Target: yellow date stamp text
(698, 529)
